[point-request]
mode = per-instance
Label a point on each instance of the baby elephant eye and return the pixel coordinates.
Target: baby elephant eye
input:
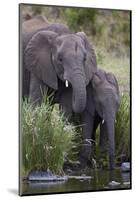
(84, 58)
(60, 58)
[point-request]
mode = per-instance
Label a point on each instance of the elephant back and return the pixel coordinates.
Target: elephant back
(34, 24)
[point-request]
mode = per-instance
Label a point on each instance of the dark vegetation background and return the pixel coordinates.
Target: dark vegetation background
(109, 32)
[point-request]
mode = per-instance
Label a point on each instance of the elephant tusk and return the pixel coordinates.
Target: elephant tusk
(52, 57)
(66, 83)
(103, 121)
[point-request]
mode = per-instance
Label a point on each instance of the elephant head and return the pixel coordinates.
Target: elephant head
(106, 100)
(69, 58)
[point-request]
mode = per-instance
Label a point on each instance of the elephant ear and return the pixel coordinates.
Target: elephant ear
(90, 63)
(112, 80)
(96, 80)
(37, 57)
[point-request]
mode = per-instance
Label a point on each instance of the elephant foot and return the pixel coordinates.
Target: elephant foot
(70, 167)
(83, 164)
(76, 169)
(85, 155)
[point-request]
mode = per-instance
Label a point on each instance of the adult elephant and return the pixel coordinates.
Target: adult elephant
(57, 60)
(102, 106)
(28, 29)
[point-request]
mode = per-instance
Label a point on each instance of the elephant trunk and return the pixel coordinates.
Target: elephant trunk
(110, 121)
(79, 93)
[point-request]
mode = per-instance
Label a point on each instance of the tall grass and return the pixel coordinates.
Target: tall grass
(46, 139)
(122, 130)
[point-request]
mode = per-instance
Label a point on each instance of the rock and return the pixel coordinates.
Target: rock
(125, 166)
(82, 177)
(126, 183)
(45, 176)
(44, 184)
(106, 187)
(113, 183)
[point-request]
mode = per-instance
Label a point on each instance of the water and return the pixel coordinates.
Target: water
(100, 180)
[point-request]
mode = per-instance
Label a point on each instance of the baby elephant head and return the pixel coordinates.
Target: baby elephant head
(106, 93)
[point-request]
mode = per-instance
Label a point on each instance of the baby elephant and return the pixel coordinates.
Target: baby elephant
(105, 92)
(102, 104)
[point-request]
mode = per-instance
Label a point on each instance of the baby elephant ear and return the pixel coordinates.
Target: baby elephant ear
(37, 57)
(96, 80)
(90, 66)
(112, 80)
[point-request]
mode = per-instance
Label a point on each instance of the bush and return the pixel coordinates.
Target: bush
(122, 130)
(80, 17)
(46, 139)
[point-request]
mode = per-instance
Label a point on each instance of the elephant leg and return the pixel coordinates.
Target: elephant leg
(111, 142)
(97, 120)
(37, 90)
(26, 82)
(107, 141)
(103, 137)
(67, 114)
(87, 128)
(65, 104)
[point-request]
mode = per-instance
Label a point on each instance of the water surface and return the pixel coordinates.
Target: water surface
(100, 180)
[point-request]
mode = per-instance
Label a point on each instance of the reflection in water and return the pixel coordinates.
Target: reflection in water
(100, 180)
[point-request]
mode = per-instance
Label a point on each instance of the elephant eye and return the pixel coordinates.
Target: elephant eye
(84, 58)
(60, 58)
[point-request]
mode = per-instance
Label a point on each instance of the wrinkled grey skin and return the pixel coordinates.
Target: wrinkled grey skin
(53, 55)
(103, 97)
(35, 23)
(102, 104)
